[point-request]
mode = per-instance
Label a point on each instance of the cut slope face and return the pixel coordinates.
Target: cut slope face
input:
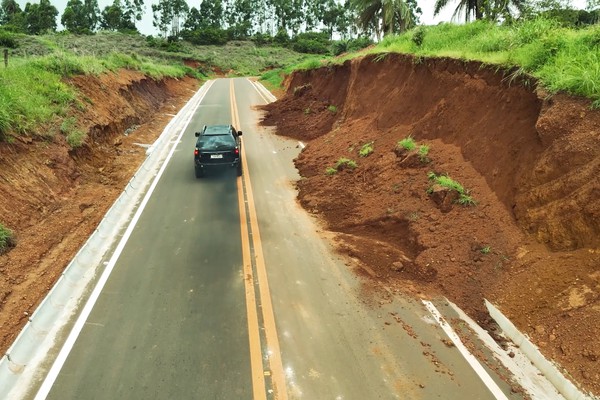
(531, 244)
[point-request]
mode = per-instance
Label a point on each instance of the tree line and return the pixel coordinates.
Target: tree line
(276, 21)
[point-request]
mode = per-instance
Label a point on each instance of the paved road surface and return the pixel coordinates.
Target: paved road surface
(226, 289)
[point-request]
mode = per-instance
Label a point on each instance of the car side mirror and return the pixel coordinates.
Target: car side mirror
(239, 133)
(197, 134)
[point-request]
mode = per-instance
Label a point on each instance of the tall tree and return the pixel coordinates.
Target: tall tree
(81, 17)
(40, 18)
(169, 16)
(133, 10)
(466, 8)
(211, 13)
(384, 16)
(8, 10)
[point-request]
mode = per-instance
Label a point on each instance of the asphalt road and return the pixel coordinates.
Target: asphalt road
(227, 289)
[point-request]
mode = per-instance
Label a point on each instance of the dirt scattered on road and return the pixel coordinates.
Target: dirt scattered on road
(530, 245)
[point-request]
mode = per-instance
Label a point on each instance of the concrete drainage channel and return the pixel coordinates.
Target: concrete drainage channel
(30, 351)
(565, 387)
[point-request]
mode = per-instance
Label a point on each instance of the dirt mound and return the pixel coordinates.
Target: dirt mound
(54, 198)
(531, 244)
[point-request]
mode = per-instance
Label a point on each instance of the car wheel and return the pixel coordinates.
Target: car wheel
(199, 172)
(239, 169)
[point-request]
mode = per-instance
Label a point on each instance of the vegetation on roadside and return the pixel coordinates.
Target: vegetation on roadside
(561, 58)
(7, 239)
(464, 198)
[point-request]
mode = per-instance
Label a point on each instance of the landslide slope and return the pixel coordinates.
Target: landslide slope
(531, 244)
(53, 197)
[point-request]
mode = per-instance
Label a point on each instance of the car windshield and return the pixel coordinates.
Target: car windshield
(216, 142)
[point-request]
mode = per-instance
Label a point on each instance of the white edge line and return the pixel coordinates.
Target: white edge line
(470, 358)
(89, 305)
(263, 92)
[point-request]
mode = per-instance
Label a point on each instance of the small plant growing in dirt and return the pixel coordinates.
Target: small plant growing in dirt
(344, 162)
(7, 239)
(423, 152)
(445, 181)
(408, 143)
(485, 250)
(330, 171)
(332, 109)
(366, 149)
(307, 111)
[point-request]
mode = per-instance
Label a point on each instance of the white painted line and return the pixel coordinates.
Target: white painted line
(470, 358)
(262, 91)
(89, 305)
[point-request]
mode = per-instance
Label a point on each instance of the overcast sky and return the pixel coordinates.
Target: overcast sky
(145, 26)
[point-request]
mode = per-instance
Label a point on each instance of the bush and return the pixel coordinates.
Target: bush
(206, 36)
(7, 239)
(8, 40)
(311, 43)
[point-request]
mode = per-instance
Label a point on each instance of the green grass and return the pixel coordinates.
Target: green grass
(464, 198)
(563, 59)
(423, 153)
(7, 239)
(344, 162)
(34, 94)
(366, 149)
(408, 143)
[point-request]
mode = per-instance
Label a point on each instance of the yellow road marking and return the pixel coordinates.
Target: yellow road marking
(274, 352)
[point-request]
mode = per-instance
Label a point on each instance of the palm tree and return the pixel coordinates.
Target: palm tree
(384, 16)
(490, 9)
(464, 7)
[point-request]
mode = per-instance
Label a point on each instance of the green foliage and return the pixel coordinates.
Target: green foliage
(8, 39)
(485, 250)
(445, 181)
(366, 149)
(561, 58)
(7, 239)
(408, 143)
(75, 137)
(332, 109)
(423, 153)
(418, 35)
(311, 42)
(331, 171)
(344, 162)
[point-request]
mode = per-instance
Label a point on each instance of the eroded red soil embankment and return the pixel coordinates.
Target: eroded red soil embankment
(53, 198)
(531, 244)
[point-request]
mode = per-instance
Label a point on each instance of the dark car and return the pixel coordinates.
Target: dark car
(217, 146)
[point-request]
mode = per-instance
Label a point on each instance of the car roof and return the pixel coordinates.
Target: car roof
(216, 129)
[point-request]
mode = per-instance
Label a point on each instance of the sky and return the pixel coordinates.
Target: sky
(145, 25)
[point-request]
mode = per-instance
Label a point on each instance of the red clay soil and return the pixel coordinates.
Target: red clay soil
(530, 245)
(53, 198)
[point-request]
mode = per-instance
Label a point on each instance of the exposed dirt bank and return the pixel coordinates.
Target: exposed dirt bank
(53, 198)
(531, 245)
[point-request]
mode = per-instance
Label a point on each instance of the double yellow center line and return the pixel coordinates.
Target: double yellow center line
(253, 260)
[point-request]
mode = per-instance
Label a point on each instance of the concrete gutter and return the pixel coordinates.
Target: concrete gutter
(564, 386)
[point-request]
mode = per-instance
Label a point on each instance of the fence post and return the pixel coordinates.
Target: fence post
(5, 58)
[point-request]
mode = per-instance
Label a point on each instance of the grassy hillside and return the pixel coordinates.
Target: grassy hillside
(563, 59)
(33, 89)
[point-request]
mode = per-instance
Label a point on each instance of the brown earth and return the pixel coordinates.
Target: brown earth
(528, 161)
(530, 245)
